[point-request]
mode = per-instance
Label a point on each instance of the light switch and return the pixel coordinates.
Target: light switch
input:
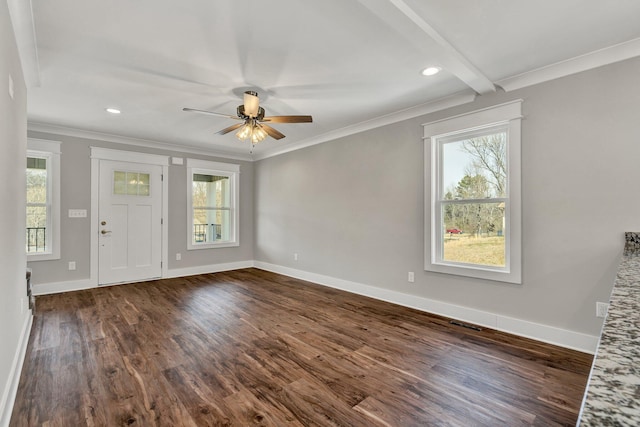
(77, 213)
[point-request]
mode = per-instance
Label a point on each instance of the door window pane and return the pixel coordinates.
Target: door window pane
(130, 183)
(119, 183)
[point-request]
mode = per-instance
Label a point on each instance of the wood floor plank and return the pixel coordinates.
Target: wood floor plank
(204, 405)
(249, 347)
(315, 405)
(247, 410)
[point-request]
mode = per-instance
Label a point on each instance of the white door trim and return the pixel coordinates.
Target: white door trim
(99, 153)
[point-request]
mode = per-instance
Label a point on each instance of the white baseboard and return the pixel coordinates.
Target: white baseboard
(549, 334)
(77, 285)
(204, 269)
(545, 333)
(11, 388)
(59, 287)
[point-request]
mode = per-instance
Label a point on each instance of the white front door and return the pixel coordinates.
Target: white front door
(130, 215)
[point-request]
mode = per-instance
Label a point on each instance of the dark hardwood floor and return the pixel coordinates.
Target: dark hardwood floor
(254, 348)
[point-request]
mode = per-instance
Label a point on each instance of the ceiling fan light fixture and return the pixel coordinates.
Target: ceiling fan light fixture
(431, 71)
(251, 102)
(112, 110)
(258, 134)
(251, 131)
(244, 132)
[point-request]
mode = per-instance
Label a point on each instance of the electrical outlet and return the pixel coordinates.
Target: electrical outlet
(411, 277)
(72, 265)
(178, 256)
(295, 257)
(601, 309)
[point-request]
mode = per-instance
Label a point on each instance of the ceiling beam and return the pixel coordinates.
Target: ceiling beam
(446, 54)
(21, 13)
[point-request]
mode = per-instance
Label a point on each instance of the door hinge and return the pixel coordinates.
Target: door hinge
(161, 177)
(161, 221)
(160, 264)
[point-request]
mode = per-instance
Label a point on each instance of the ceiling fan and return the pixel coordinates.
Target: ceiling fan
(253, 126)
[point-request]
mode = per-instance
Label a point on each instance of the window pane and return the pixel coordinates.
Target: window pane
(211, 191)
(473, 233)
(143, 184)
(475, 168)
(36, 163)
(36, 216)
(36, 180)
(119, 183)
(130, 183)
(36, 228)
(211, 225)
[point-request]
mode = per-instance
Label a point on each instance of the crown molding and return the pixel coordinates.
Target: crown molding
(409, 113)
(598, 58)
(138, 142)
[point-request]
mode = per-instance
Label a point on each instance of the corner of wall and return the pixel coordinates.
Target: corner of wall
(11, 387)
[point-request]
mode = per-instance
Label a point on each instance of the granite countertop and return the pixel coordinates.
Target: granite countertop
(613, 393)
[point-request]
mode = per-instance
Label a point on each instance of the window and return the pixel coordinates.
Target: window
(473, 193)
(43, 200)
(213, 204)
(130, 183)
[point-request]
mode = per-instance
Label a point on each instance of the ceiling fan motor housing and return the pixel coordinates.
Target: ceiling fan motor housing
(244, 116)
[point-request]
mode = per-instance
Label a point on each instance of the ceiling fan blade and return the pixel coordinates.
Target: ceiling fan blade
(211, 113)
(251, 103)
(275, 134)
(230, 129)
(288, 119)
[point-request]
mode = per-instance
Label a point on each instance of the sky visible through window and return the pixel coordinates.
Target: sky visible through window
(455, 163)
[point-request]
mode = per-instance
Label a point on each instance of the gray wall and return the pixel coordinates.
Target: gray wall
(13, 143)
(75, 193)
(353, 208)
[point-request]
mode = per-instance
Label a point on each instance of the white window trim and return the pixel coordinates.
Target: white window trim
(225, 169)
(51, 151)
(510, 114)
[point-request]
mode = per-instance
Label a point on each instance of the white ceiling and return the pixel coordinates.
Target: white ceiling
(351, 64)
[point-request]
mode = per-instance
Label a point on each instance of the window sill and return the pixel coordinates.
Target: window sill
(42, 257)
(195, 247)
(477, 272)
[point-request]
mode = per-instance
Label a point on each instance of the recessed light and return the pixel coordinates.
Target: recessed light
(112, 110)
(430, 71)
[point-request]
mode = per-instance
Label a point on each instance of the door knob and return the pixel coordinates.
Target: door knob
(105, 231)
